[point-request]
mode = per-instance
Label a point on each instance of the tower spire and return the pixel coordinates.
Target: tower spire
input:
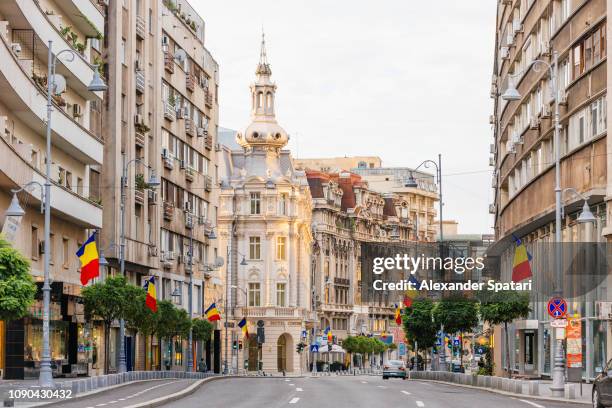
(263, 68)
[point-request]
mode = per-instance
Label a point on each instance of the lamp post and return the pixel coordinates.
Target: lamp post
(233, 314)
(411, 182)
(226, 307)
(512, 94)
(45, 378)
(153, 182)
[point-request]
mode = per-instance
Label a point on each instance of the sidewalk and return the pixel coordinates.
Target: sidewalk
(537, 389)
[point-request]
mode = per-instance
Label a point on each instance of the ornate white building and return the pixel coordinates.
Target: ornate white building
(264, 229)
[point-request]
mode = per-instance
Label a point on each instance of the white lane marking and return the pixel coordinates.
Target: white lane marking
(292, 384)
(113, 402)
(100, 405)
(298, 389)
(381, 386)
(533, 404)
(406, 392)
(121, 399)
(364, 382)
(420, 404)
(287, 380)
(294, 400)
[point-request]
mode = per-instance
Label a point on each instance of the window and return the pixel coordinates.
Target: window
(34, 242)
(589, 51)
(254, 294)
(281, 250)
(79, 186)
(122, 52)
(280, 294)
(254, 248)
(178, 289)
(282, 204)
(68, 180)
(255, 203)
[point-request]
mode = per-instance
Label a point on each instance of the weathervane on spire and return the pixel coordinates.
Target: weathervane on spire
(263, 68)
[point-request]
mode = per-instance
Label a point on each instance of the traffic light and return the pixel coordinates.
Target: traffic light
(239, 344)
(235, 344)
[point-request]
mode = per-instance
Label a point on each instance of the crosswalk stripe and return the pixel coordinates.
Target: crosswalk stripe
(420, 404)
(294, 400)
(298, 389)
(406, 392)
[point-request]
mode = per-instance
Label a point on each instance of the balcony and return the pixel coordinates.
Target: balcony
(189, 174)
(139, 139)
(209, 141)
(77, 71)
(90, 20)
(140, 27)
(190, 127)
(208, 98)
(342, 281)
(25, 99)
(140, 81)
(188, 220)
(190, 82)
(139, 196)
(208, 183)
(169, 112)
(169, 62)
(336, 308)
(168, 163)
(276, 312)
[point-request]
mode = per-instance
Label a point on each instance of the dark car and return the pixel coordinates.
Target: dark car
(394, 368)
(602, 388)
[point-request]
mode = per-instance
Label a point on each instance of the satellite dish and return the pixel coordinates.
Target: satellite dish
(60, 84)
(219, 261)
(180, 56)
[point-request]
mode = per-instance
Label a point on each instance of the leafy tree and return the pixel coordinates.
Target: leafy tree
(418, 324)
(502, 308)
(107, 301)
(458, 314)
(138, 315)
(17, 288)
(202, 329)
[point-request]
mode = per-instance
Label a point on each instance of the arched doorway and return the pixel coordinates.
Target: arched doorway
(284, 356)
(254, 353)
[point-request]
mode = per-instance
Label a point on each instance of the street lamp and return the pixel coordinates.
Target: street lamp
(411, 182)
(227, 295)
(55, 85)
(585, 215)
(512, 94)
(153, 182)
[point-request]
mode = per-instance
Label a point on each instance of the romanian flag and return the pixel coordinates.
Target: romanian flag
(88, 255)
(212, 313)
(330, 337)
(383, 335)
(521, 269)
(244, 327)
(398, 315)
(151, 300)
(411, 293)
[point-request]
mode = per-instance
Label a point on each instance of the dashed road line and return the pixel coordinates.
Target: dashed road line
(100, 405)
(533, 404)
(406, 392)
(420, 404)
(294, 400)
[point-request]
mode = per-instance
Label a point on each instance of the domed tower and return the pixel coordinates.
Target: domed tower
(264, 133)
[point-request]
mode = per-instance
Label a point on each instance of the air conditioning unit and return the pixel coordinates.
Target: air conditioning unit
(546, 113)
(492, 208)
(217, 147)
(152, 250)
(563, 99)
(201, 132)
(504, 52)
(165, 153)
(534, 124)
(492, 161)
(201, 220)
(187, 206)
(152, 196)
(509, 39)
(182, 164)
(517, 27)
(138, 119)
(169, 255)
(76, 110)
(16, 47)
(492, 119)
(137, 66)
(186, 111)
(492, 148)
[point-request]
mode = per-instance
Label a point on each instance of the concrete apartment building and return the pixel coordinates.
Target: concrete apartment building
(77, 151)
(421, 201)
(523, 158)
(162, 119)
(264, 232)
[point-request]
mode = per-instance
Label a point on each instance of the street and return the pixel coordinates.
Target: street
(348, 391)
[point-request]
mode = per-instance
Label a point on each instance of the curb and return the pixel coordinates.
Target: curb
(511, 394)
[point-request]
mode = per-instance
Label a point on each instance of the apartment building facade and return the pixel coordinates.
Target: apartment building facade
(264, 230)
(421, 200)
(523, 160)
(77, 150)
(162, 119)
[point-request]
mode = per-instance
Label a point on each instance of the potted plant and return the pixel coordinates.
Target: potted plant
(141, 184)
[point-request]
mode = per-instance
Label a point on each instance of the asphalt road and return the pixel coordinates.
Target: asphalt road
(127, 395)
(348, 391)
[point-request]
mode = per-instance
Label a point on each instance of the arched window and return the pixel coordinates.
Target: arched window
(260, 99)
(269, 102)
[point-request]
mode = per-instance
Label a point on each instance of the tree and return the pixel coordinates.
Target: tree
(107, 301)
(17, 288)
(418, 324)
(171, 322)
(502, 308)
(458, 314)
(202, 329)
(138, 315)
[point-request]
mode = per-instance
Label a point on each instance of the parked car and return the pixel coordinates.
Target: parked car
(602, 388)
(394, 368)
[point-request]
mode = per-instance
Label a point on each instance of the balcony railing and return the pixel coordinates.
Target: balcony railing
(140, 81)
(190, 127)
(169, 62)
(209, 141)
(190, 82)
(276, 312)
(208, 183)
(169, 112)
(139, 196)
(208, 98)
(140, 27)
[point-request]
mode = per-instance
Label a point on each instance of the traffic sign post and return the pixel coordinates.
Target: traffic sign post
(557, 308)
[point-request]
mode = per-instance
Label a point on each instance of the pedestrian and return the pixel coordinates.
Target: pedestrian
(202, 366)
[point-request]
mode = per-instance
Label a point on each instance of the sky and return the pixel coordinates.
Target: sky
(400, 79)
